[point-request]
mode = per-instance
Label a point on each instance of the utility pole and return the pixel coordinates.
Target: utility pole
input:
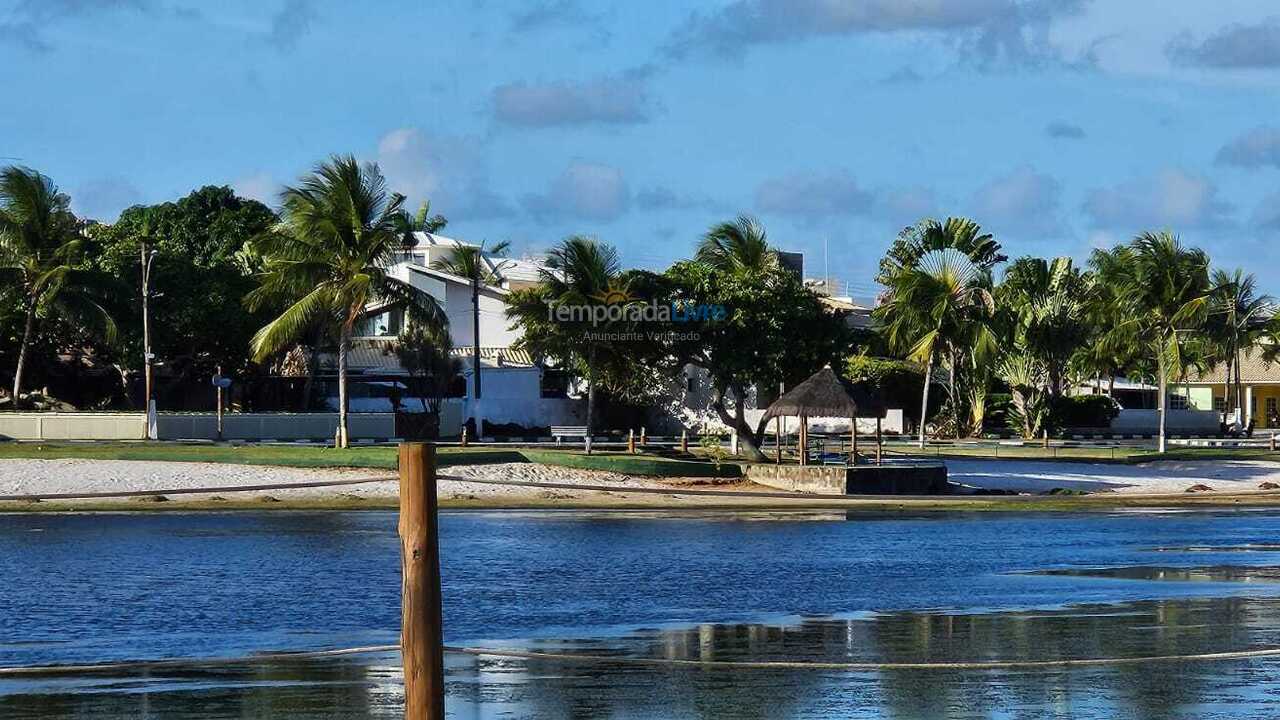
(220, 386)
(148, 257)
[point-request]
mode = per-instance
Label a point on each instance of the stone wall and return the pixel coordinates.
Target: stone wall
(860, 480)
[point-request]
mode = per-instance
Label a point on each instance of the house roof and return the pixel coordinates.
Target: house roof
(449, 277)
(377, 354)
(1253, 369)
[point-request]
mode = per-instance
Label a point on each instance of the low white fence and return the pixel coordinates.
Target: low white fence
(73, 426)
(273, 426)
(1183, 422)
(890, 423)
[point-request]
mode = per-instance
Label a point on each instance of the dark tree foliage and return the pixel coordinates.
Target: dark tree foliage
(201, 272)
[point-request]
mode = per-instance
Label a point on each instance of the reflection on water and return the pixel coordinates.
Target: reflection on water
(1214, 573)
(484, 687)
(853, 587)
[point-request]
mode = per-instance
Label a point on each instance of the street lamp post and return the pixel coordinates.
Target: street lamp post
(148, 257)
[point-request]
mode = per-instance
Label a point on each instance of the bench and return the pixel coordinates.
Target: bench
(570, 431)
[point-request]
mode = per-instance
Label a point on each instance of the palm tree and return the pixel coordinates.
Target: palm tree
(329, 256)
(1163, 292)
(1049, 302)
(41, 245)
(423, 222)
(579, 271)
(939, 303)
(469, 262)
(737, 245)
(1238, 320)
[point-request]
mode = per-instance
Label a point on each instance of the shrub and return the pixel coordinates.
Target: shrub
(1084, 411)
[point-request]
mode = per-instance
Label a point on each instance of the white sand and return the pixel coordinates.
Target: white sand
(23, 477)
(1161, 477)
(36, 477)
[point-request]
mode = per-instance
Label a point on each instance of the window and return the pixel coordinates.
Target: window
(1271, 409)
(384, 324)
(1178, 402)
(1219, 403)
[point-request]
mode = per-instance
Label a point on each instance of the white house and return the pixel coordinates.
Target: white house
(515, 388)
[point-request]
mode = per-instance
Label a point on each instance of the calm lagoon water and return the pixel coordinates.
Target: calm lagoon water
(767, 586)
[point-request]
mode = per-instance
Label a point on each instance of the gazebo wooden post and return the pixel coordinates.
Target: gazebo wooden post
(804, 440)
(879, 441)
(853, 437)
(777, 434)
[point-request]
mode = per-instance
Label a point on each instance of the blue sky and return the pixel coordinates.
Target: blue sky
(1059, 126)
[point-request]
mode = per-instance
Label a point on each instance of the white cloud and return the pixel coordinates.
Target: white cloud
(1267, 215)
(1022, 202)
(990, 31)
(447, 170)
(814, 194)
(1254, 149)
(1062, 130)
(260, 186)
(1171, 198)
(1234, 46)
(615, 100)
(585, 190)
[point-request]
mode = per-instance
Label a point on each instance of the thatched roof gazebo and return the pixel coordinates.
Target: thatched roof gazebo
(826, 394)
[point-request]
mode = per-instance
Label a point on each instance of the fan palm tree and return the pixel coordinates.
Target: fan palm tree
(1238, 321)
(41, 245)
(470, 263)
(737, 245)
(1163, 292)
(939, 304)
(329, 256)
(579, 271)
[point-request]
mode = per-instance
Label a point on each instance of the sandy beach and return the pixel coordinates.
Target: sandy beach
(37, 477)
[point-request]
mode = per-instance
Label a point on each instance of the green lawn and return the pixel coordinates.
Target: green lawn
(383, 458)
(1084, 454)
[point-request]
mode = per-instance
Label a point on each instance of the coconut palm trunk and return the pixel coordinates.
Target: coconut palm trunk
(924, 400)
(22, 352)
(475, 353)
(1162, 399)
(344, 342)
(591, 395)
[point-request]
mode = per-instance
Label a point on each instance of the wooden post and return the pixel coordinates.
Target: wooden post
(804, 440)
(421, 634)
(853, 435)
(1273, 442)
(464, 436)
(1046, 437)
(879, 442)
(631, 441)
(644, 436)
(777, 435)
(684, 441)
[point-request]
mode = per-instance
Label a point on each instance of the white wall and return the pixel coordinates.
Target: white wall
(890, 423)
(278, 426)
(1147, 422)
(73, 426)
(494, 326)
(530, 412)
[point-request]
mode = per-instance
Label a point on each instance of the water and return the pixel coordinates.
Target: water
(768, 586)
